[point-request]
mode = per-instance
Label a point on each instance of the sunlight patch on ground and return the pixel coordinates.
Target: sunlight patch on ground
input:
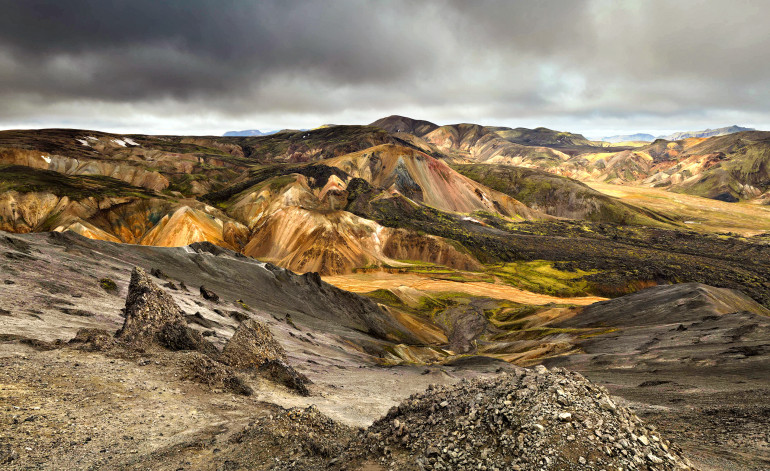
(366, 282)
(699, 214)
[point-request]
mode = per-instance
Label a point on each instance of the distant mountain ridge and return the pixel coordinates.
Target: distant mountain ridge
(248, 132)
(629, 138)
(677, 136)
(728, 164)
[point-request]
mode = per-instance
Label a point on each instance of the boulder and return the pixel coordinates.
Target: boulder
(92, 340)
(280, 372)
(209, 295)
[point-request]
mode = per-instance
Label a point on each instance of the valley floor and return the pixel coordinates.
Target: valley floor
(367, 282)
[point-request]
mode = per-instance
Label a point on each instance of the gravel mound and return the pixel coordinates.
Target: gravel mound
(280, 372)
(526, 420)
(148, 309)
(251, 345)
(293, 439)
(154, 318)
(202, 369)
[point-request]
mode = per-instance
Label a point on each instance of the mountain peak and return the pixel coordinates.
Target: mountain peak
(396, 123)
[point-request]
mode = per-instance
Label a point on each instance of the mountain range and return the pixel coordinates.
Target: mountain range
(677, 136)
(334, 199)
(352, 266)
(248, 132)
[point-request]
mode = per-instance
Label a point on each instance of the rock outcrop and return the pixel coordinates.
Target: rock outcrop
(209, 295)
(278, 371)
(200, 368)
(251, 345)
(92, 340)
(153, 317)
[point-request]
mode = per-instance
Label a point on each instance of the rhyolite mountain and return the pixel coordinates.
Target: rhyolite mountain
(731, 167)
(447, 252)
(397, 194)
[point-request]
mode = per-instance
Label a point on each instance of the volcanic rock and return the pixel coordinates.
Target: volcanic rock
(251, 345)
(92, 340)
(527, 420)
(209, 295)
(280, 372)
(202, 369)
(176, 336)
(152, 317)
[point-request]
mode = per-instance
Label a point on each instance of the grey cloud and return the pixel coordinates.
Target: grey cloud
(585, 62)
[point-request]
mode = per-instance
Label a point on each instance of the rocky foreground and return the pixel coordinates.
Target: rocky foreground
(206, 360)
(531, 419)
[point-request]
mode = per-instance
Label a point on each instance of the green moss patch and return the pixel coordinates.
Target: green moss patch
(108, 285)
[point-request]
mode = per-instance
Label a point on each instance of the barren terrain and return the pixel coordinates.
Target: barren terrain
(63, 406)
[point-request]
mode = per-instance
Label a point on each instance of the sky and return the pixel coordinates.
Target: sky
(598, 67)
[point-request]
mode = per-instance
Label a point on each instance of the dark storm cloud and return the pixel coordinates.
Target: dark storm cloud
(206, 65)
(184, 48)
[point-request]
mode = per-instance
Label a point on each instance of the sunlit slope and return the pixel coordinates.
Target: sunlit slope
(735, 167)
(694, 212)
(557, 195)
(367, 282)
(104, 208)
(299, 222)
(427, 180)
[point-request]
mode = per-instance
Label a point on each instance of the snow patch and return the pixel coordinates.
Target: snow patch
(47, 159)
(91, 138)
(119, 142)
(377, 233)
(130, 141)
(466, 218)
(83, 142)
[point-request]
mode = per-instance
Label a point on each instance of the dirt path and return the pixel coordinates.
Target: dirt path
(365, 282)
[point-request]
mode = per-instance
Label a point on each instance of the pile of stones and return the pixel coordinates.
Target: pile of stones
(525, 420)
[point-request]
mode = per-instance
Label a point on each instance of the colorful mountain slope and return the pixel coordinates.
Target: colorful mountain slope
(733, 167)
(339, 198)
(428, 181)
(558, 196)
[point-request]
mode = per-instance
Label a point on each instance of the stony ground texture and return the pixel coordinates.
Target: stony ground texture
(527, 420)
